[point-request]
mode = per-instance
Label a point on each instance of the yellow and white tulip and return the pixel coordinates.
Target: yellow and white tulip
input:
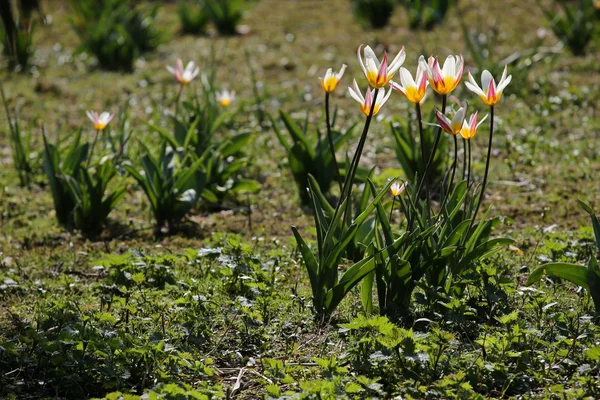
(225, 97)
(396, 189)
(331, 80)
(184, 75)
(454, 125)
(445, 79)
(469, 129)
(489, 92)
(100, 120)
(379, 74)
(366, 102)
(414, 91)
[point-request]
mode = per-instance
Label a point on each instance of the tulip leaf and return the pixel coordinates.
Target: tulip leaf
(574, 273)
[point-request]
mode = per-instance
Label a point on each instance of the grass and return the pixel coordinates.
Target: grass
(235, 320)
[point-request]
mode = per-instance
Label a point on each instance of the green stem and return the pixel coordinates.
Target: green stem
(487, 168)
(331, 145)
(392, 209)
(87, 164)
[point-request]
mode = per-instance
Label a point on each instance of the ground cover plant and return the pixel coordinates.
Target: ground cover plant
(304, 208)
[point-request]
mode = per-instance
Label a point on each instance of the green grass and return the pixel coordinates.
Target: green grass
(237, 321)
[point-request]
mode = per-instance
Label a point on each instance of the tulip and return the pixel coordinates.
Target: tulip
(379, 74)
(415, 92)
(225, 97)
(100, 121)
(469, 129)
(367, 102)
(489, 92)
(184, 76)
(445, 79)
(330, 81)
(396, 189)
(451, 126)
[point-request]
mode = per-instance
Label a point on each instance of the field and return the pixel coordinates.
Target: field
(216, 302)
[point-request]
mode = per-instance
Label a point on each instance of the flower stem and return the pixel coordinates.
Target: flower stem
(331, 145)
(487, 168)
(423, 156)
(177, 99)
(451, 177)
(431, 156)
(87, 164)
(392, 209)
(351, 172)
(469, 167)
(464, 170)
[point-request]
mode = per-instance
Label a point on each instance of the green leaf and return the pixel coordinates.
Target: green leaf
(350, 278)
(574, 273)
(312, 266)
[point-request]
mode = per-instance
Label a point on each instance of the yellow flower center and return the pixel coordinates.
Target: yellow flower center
(372, 77)
(466, 133)
(329, 84)
(449, 85)
(225, 102)
(99, 126)
(489, 100)
(414, 95)
(366, 110)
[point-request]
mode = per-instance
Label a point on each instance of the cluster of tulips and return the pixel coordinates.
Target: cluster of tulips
(184, 76)
(436, 246)
(443, 79)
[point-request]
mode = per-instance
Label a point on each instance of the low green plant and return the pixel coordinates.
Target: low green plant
(575, 25)
(193, 17)
(225, 14)
(20, 143)
(375, 14)
(426, 14)
(309, 157)
(116, 32)
(223, 159)
(83, 196)
(586, 276)
(17, 35)
(436, 255)
(171, 183)
(65, 162)
(333, 240)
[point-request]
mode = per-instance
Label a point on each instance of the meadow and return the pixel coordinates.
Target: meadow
(175, 225)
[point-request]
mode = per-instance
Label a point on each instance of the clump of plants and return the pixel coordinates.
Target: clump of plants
(435, 247)
(576, 25)
(17, 33)
(225, 14)
(116, 32)
(83, 189)
(375, 14)
(193, 17)
(20, 143)
(193, 168)
(426, 14)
